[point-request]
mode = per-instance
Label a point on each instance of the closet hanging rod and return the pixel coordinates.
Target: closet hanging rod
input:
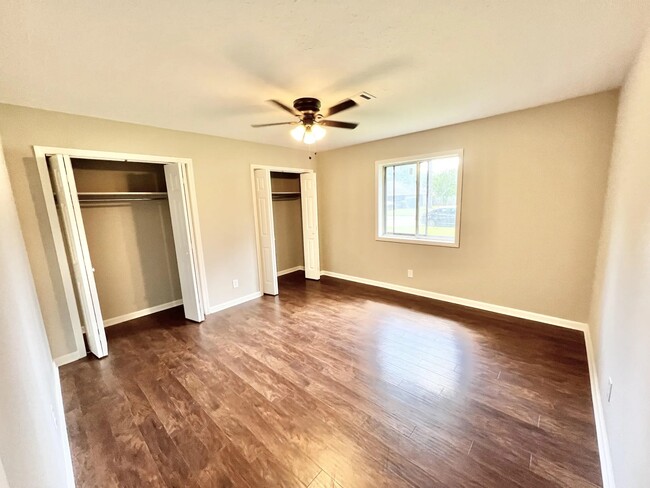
(120, 194)
(285, 195)
(105, 200)
(132, 196)
(84, 201)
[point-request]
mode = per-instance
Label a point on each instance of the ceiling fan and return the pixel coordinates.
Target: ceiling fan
(311, 122)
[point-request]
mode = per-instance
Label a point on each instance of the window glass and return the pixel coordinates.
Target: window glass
(405, 198)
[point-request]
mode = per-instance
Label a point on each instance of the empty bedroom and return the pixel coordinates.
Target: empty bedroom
(335, 244)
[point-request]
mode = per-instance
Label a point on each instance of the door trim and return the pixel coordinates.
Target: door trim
(258, 243)
(40, 154)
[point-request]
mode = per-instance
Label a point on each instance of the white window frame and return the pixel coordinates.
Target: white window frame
(380, 234)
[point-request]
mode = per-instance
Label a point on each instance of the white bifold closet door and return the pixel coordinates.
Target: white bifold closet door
(182, 230)
(266, 230)
(83, 271)
(309, 202)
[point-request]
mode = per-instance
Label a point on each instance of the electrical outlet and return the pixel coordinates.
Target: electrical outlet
(409, 273)
(235, 283)
(609, 391)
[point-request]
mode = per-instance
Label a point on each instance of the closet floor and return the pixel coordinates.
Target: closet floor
(334, 384)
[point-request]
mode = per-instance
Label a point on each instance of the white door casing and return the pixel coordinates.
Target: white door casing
(264, 203)
(309, 202)
(83, 272)
(182, 230)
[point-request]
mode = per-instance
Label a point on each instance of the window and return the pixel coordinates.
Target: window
(419, 199)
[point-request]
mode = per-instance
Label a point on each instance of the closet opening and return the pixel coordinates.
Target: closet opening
(286, 214)
(126, 217)
(126, 237)
(287, 219)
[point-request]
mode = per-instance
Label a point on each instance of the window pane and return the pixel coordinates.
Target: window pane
(389, 200)
(405, 198)
(441, 201)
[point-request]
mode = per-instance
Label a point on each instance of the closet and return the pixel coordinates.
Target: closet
(128, 227)
(128, 241)
(286, 218)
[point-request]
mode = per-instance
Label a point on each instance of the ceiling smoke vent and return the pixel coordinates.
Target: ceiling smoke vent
(363, 97)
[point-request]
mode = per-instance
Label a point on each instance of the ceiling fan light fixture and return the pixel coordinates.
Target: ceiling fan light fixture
(298, 132)
(308, 133)
(318, 131)
(309, 137)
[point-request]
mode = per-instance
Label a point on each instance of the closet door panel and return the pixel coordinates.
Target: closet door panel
(182, 230)
(266, 231)
(309, 202)
(79, 255)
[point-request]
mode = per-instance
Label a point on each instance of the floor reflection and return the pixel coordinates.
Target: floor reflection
(417, 352)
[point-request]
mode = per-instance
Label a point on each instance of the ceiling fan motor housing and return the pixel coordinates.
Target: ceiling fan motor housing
(307, 105)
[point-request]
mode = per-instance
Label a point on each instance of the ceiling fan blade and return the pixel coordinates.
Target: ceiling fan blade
(340, 107)
(284, 107)
(340, 125)
(276, 123)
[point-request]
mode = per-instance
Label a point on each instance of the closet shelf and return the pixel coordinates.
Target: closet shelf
(285, 195)
(121, 196)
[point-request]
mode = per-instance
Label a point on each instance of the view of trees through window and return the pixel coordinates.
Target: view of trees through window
(420, 198)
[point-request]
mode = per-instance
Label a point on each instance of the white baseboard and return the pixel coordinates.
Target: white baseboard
(599, 417)
(291, 270)
(236, 301)
(513, 312)
(141, 313)
(69, 358)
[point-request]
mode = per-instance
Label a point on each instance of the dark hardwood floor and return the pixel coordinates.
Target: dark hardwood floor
(334, 384)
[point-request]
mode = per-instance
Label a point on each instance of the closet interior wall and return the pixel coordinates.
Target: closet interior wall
(129, 236)
(287, 218)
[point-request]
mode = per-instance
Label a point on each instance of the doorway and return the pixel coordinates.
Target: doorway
(272, 185)
(154, 191)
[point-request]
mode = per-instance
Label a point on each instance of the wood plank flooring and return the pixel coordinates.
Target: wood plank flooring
(334, 384)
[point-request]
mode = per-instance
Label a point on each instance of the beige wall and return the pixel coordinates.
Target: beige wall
(620, 324)
(223, 184)
(33, 443)
(132, 251)
(533, 191)
(287, 218)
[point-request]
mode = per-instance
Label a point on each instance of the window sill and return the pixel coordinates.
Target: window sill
(415, 240)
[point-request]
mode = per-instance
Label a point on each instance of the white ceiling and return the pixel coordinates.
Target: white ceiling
(208, 65)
